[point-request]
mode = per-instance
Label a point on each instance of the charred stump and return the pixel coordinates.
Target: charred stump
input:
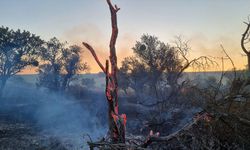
(116, 122)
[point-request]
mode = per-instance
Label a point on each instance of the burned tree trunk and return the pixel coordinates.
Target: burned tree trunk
(116, 122)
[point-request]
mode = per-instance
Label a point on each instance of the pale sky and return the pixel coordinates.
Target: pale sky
(206, 23)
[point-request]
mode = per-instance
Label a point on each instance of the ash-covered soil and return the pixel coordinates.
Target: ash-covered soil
(25, 127)
(24, 136)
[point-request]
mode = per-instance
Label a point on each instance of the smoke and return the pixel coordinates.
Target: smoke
(204, 46)
(55, 114)
(100, 41)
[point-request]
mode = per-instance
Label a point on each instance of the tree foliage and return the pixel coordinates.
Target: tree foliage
(154, 67)
(156, 71)
(18, 49)
(60, 65)
(152, 60)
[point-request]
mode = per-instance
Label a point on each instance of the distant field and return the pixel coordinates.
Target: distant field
(32, 78)
(100, 80)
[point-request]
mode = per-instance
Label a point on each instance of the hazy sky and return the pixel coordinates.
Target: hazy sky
(206, 23)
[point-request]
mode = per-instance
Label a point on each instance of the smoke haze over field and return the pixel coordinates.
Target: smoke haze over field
(54, 114)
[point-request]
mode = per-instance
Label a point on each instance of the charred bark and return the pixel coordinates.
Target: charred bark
(116, 122)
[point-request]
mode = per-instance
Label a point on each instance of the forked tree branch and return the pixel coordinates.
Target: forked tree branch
(113, 8)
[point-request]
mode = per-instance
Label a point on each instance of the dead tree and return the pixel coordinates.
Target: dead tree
(244, 40)
(116, 122)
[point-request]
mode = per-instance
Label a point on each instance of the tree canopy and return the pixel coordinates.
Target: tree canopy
(18, 49)
(60, 64)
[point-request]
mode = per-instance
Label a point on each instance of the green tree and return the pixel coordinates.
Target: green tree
(156, 68)
(18, 49)
(60, 65)
(132, 74)
(153, 63)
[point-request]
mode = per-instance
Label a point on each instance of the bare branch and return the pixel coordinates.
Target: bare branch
(200, 62)
(203, 62)
(234, 69)
(182, 47)
(90, 48)
(244, 38)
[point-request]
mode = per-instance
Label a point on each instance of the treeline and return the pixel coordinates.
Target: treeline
(57, 61)
(155, 63)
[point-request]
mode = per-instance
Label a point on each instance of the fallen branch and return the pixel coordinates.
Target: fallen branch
(153, 138)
